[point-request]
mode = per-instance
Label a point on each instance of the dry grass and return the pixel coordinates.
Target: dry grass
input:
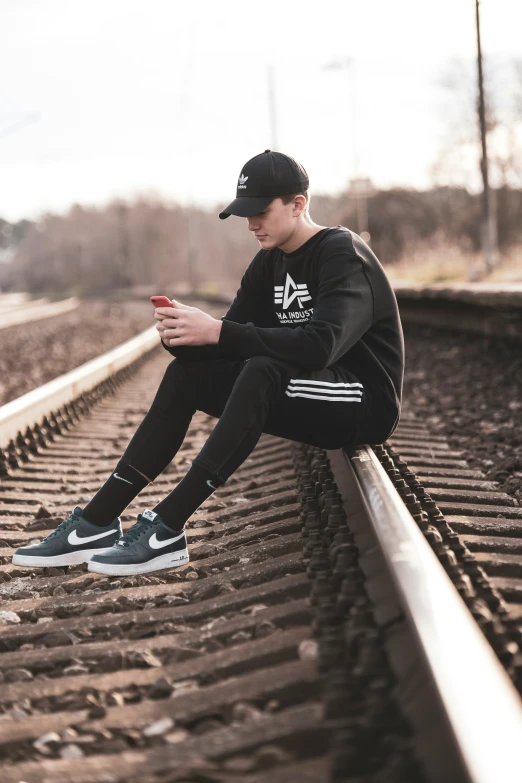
(510, 267)
(439, 260)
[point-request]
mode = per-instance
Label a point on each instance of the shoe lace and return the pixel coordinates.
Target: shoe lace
(142, 526)
(62, 526)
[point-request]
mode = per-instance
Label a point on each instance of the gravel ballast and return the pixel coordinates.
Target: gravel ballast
(469, 388)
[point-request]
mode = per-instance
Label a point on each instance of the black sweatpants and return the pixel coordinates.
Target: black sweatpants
(326, 408)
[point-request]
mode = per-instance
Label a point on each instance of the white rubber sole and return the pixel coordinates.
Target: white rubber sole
(71, 558)
(170, 560)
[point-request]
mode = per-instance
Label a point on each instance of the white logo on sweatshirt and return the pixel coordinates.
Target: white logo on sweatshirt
(285, 294)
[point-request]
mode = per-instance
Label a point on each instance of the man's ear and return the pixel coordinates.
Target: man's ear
(299, 205)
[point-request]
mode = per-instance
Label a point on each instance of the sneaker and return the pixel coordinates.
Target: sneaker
(149, 545)
(75, 540)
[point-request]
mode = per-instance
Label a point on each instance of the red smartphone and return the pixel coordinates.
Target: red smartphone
(161, 301)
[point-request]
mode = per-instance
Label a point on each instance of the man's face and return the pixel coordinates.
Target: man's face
(274, 225)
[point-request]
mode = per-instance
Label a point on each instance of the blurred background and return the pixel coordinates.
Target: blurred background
(124, 125)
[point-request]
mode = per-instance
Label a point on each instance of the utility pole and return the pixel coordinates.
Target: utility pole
(193, 280)
(272, 108)
(122, 256)
(488, 225)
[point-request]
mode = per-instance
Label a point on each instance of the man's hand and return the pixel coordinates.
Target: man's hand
(184, 325)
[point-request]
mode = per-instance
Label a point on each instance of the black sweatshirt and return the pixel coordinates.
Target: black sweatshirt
(328, 302)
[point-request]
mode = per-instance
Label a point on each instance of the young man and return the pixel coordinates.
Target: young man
(311, 349)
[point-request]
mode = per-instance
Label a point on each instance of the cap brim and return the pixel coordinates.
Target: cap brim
(246, 206)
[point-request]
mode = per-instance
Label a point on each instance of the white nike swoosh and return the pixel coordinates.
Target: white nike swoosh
(122, 479)
(74, 539)
(155, 544)
(211, 484)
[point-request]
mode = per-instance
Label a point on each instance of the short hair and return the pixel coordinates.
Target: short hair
(289, 197)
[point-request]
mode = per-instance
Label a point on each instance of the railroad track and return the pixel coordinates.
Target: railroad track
(12, 314)
(291, 648)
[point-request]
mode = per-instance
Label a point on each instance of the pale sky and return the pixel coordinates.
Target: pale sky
(122, 97)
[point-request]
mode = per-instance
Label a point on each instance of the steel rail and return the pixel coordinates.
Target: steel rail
(11, 302)
(476, 701)
(508, 294)
(37, 311)
(30, 408)
(489, 309)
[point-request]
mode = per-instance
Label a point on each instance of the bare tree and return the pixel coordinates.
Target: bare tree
(456, 160)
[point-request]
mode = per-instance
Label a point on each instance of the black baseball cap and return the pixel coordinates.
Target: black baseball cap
(264, 178)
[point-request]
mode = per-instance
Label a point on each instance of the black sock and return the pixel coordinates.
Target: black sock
(190, 493)
(114, 496)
